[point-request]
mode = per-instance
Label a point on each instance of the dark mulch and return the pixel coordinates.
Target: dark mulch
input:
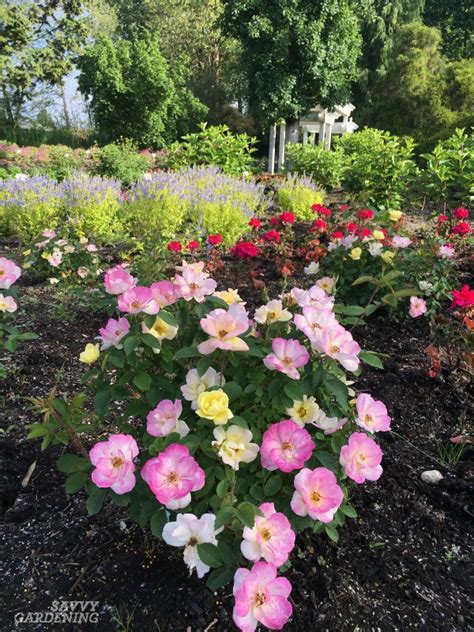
(402, 565)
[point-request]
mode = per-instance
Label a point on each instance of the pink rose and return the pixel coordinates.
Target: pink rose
(285, 446)
(113, 460)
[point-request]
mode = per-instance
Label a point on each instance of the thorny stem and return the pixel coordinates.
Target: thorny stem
(73, 438)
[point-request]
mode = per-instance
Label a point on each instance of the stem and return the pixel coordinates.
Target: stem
(73, 438)
(359, 318)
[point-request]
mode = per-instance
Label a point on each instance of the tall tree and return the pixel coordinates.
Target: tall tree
(378, 33)
(455, 19)
(38, 41)
(295, 52)
(131, 93)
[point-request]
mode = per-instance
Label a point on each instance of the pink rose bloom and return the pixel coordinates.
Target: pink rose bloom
(194, 285)
(400, 242)
(285, 446)
(9, 273)
(165, 293)
(287, 357)
(361, 458)
(55, 259)
(446, 251)
(417, 307)
(338, 343)
(136, 300)
(317, 494)
(372, 414)
(117, 280)
(315, 296)
(173, 475)
(164, 419)
(113, 332)
(271, 537)
(330, 425)
(261, 597)
(7, 304)
(61, 242)
(224, 328)
(91, 248)
(82, 272)
(113, 460)
(49, 233)
(314, 319)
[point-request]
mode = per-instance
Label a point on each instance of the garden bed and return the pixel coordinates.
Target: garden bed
(402, 565)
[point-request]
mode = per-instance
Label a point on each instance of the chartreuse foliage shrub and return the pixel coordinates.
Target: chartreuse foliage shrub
(92, 206)
(324, 166)
(29, 206)
(378, 167)
(200, 423)
(297, 194)
(202, 198)
(216, 146)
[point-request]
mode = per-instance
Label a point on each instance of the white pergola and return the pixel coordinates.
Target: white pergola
(318, 122)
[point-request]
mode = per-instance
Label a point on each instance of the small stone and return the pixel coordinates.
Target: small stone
(432, 477)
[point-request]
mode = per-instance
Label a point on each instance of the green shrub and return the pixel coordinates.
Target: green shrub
(62, 162)
(378, 167)
(298, 194)
(325, 166)
(121, 161)
(449, 170)
(152, 217)
(213, 146)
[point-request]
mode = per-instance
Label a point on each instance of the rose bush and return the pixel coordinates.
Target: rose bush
(227, 435)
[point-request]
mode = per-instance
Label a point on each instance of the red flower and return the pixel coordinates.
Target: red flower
(462, 228)
(323, 210)
(316, 207)
(344, 207)
(352, 228)
(365, 213)
(193, 245)
(214, 240)
(320, 224)
(255, 223)
(272, 235)
(337, 234)
(461, 213)
(244, 249)
(365, 232)
(442, 218)
(274, 221)
(463, 298)
(175, 246)
(287, 217)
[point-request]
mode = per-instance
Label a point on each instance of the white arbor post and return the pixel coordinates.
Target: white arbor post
(305, 136)
(281, 146)
(271, 150)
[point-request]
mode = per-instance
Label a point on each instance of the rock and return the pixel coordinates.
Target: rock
(432, 477)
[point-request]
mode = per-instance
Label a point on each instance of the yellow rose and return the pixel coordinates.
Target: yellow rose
(90, 354)
(378, 234)
(27, 253)
(355, 253)
(160, 330)
(45, 255)
(214, 405)
(395, 215)
(388, 256)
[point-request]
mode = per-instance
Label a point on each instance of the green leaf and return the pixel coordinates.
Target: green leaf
(222, 488)
(219, 577)
(168, 318)
(327, 459)
(247, 512)
(225, 515)
(408, 291)
(293, 390)
(96, 500)
(130, 344)
(215, 300)
(151, 341)
(349, 310)
(390, 299)
(203, 364)
(338, 389)
(157, 522)
(142, 381)
(332, 533)
(233, 389)
(210, 554)
(371, 359)
(365, 279)
(273, 485)
(349, 511)
(68, 463)
(186, 352)
(75, 482)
